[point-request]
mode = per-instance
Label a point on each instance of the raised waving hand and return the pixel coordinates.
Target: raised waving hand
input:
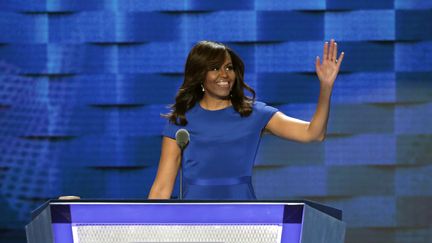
(327, 69)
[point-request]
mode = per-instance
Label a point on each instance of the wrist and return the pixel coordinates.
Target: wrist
(326, 88)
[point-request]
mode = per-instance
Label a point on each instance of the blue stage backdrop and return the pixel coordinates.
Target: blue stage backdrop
(83, 84)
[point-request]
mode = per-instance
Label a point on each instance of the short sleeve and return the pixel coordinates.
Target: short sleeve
(264, 112)
(170, 130)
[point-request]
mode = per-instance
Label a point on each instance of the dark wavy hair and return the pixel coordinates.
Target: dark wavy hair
(203, 56)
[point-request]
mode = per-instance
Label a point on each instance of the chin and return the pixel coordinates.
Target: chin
(224, 96)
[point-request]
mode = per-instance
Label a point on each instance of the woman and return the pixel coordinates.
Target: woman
(225, 125)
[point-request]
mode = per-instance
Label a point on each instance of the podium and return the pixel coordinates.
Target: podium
(85, 221)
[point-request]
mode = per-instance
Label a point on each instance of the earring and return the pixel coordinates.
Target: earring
(202, 88)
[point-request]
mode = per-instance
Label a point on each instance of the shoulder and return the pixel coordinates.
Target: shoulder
(263, 107)
(258, 104)
(262, 113)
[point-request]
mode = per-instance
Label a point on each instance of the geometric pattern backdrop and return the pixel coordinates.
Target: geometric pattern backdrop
(83, 84)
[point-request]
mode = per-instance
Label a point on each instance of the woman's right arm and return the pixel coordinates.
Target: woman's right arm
(169, 164)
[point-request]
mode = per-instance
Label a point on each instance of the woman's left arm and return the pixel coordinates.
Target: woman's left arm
(315, 130)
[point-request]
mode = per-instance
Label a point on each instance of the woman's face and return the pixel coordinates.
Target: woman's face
(220, 80)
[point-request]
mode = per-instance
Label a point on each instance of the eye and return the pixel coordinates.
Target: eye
(229, 68)
(213, 69)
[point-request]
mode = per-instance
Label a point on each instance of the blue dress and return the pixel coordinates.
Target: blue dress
(218, 161)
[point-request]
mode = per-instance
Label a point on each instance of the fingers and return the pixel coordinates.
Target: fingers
(317, 63)
(331, 50)
(341, 56)
(325, 51)
(334, 54)
(330, 53)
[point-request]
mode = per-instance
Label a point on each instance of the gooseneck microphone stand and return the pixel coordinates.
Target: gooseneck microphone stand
(181, 174)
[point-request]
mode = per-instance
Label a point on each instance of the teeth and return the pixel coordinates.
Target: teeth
(222, 83)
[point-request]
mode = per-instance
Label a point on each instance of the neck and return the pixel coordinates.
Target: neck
(209, 103)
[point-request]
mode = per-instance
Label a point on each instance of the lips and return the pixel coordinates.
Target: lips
(223, 83)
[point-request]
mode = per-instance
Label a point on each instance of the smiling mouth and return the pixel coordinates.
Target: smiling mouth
(223, 84)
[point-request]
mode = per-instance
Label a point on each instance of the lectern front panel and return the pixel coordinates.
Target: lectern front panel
(191, 222)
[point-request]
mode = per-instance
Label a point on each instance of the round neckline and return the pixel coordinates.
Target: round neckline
(222, 109)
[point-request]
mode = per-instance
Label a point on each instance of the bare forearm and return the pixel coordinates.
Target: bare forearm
(169, 164)
(159, 193)
(318, 126)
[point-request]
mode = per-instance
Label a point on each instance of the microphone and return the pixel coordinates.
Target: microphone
(182, 138)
